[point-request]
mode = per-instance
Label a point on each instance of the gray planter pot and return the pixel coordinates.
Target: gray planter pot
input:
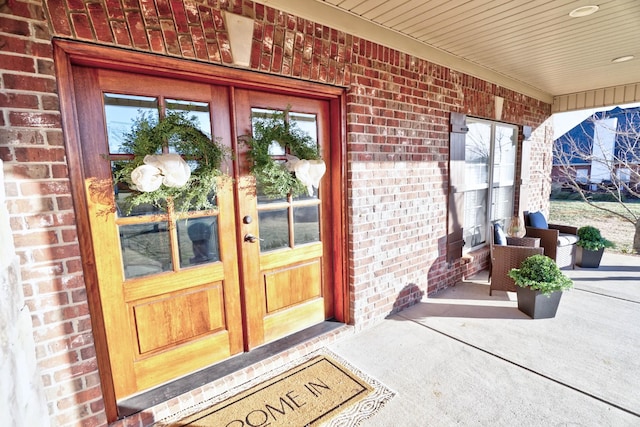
(536, 305)
(588, 259)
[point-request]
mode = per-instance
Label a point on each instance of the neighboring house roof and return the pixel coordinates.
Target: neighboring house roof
(582, 135)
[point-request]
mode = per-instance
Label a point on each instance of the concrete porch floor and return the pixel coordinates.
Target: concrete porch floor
(465, 358)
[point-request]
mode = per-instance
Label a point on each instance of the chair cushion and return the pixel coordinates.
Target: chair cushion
(537, 220)
(499, 236)
(567, 239)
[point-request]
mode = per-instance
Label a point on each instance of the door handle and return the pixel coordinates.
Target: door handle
(250, 238)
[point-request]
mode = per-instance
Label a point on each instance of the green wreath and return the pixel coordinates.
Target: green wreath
(178, 131)
(272, 176)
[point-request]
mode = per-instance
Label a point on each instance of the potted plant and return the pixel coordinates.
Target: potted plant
(539, 286)
(590, 247)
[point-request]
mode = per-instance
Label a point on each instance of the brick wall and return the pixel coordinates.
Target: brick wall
(397, 153)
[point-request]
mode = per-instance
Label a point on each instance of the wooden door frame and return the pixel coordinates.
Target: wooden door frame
(68, 54)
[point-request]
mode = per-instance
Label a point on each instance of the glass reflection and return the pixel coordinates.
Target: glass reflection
(120, 113)
(145, 249)
(307, 124)
(198, 240)
(306, 225)
(199, 110)
(274, 229)
(261, 115)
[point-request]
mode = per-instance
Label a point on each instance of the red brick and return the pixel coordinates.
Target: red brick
(186, 46)
(81, 26)
(156, 40)
(114, 9)
(34, 119)
(29, 83)
(206, 20)
(31, 154)
(36, 238)
(170, 37)
(164, 9)
(28, 171)
(17, 100)
(58, 18)
(218, 20)
(199, 43)
(14, 26)
(137, 30)
(74, 266)
(120, 33)
(213, 50)
(226, 55)
(99, 21)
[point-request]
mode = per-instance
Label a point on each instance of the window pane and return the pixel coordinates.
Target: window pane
(120, 112)
(145, 249)
(475, 218)
(306, 224)
(477, 152)
(502, 205)
(274, 229)
(504, 157)
(198, 240)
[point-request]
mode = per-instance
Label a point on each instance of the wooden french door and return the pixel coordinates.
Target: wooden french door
(287, 267)
(163, 306)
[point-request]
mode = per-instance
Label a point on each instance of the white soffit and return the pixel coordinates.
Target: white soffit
(333, 17)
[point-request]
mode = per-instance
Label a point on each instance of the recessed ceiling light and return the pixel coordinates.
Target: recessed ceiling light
(583, 11)
(623, 58)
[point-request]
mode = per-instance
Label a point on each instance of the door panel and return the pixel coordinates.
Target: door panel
(286, 274)
(166, 302)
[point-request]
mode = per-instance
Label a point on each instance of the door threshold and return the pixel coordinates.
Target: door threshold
(170, 390)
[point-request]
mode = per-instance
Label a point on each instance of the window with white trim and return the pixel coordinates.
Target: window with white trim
(489, 178)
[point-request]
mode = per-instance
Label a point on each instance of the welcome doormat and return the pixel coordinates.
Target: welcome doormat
(320, 391)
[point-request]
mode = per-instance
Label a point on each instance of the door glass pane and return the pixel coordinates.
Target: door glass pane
(198, 240)
(121, 111)
(122, 191)
(274, 229)
(261, 115)
(307, 124)
(145, 249)
(199, 110)
(306, 224)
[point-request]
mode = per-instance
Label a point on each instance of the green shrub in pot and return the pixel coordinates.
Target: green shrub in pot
(540, 273)
(591, 239)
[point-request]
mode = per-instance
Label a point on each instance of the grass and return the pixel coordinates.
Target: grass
(612, 227)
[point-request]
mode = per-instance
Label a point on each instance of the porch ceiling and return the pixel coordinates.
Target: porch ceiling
(531, 46)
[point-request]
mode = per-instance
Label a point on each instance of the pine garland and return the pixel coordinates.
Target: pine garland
(180, 132)
(271, 176)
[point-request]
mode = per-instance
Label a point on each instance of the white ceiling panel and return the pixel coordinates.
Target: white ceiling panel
(533, 42)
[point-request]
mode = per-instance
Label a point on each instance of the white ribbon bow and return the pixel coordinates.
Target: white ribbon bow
(168, 169)
(309, 172)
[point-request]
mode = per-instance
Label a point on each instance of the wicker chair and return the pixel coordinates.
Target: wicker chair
(506, 257)
(558, 241)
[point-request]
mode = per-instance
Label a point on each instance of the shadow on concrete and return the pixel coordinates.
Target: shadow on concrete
(467, 299)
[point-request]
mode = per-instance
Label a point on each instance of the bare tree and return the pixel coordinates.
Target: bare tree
(603, 158)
